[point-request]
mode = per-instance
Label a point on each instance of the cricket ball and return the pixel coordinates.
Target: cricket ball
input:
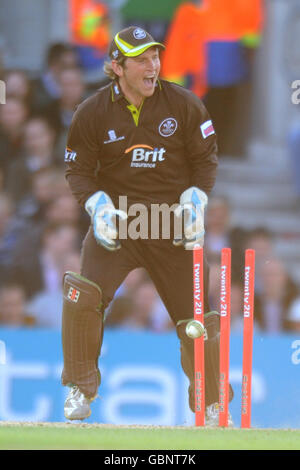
(194, 329)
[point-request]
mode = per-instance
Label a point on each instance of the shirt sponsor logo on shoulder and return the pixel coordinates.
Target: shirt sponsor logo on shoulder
(207, 129)
(167, 127)
(70, 155)
(112, 137)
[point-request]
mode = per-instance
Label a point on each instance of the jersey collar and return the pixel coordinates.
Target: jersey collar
(116, 92)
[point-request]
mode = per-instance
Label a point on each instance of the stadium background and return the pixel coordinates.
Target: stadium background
(255, 201)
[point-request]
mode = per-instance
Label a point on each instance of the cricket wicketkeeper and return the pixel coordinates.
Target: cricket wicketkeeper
(153, 142)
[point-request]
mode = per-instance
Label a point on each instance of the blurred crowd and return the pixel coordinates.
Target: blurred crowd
(42, 226)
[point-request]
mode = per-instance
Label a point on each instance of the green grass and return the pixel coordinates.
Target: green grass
(107, 437)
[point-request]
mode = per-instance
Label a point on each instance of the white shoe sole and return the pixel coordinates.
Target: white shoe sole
(77, 416)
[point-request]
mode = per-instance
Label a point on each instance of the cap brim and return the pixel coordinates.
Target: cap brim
(136, 51)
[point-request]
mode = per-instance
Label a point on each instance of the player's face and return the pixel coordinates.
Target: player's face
(139, 76)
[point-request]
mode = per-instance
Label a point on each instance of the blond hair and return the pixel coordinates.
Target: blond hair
(108, 70)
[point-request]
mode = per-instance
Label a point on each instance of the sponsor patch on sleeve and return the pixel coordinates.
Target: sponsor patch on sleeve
(207, 129)
(70, 155)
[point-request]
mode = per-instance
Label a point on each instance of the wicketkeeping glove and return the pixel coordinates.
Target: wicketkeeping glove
(192, 206)
(103, 215)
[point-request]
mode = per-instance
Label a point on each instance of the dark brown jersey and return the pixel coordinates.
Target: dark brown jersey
(150, 155)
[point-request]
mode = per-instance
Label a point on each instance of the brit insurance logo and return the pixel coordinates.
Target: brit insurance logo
(139, 33)
(167, 127)
(145, 156)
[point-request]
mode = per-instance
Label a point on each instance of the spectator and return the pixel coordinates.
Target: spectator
(63, 209)
(214, 282)
(60, 111)
(276, 294)
(32, 208)
(118, 312)
(46, 187)
(12, 118)
(137, 304)
(132, 281)
(18, 85)
(13, 306)
(9, 231)
(38, 153)
(49, 194)
(38, 268)
(237, 307)
(144, 303)
(50, 203)
(59, 184)
(260, 239)
(23, 229)
(147, 311)
(237, 297)
(217, 224)
(6, 212)
(47, 87)
(220, 233)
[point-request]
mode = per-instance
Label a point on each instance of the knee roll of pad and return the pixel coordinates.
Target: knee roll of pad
(82, 293)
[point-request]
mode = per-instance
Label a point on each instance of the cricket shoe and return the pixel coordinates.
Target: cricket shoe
(212, 416)
(77, 406)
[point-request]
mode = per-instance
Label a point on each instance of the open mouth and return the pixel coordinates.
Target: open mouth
(149, 81)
